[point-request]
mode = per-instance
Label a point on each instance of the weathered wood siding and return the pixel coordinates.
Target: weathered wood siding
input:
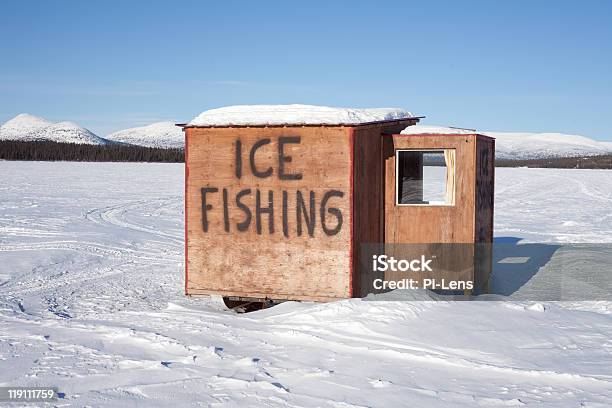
(468, 221)
(274, 262)
(485, 184)
(369, 197)
(432, 224)
(485, 178)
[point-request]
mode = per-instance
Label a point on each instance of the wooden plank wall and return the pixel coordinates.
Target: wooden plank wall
(483, 233)
(485, 178)
(467, 222)
(368, 197)
(268, 264)
(433, 224)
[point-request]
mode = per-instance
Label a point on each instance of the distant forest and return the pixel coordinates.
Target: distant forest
(54, 151)
(590, 162)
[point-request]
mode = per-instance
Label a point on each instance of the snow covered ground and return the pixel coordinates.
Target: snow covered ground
(91, 263)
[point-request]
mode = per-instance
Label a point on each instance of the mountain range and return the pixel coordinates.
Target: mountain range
(26, 127)
(509, 145)
(161, 134)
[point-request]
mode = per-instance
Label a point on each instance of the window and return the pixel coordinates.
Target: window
(425, 177)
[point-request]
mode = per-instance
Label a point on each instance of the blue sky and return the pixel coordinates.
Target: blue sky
(490, 65)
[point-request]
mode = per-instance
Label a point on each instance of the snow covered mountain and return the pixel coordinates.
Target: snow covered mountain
(67, 132)
(22, 125)
(515, 145)
(161, 134)
(27, 127)
(524, 145)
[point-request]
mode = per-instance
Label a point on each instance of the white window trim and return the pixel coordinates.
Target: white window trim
(435, 150)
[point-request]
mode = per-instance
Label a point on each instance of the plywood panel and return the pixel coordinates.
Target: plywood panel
(432, 224)
(468, 221)
(369, 190)
(235, 259)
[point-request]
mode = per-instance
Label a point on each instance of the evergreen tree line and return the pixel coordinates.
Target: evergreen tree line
(54, 151)
(589, 162)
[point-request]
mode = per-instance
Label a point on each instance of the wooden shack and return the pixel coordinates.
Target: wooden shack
(284, 212)
(457, 228)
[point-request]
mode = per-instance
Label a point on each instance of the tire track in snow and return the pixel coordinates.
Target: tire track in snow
(53, 289)
(91, 248)
(115, 215)
(585, 190)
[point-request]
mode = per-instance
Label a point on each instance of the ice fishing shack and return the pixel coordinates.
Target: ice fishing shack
(283, 201)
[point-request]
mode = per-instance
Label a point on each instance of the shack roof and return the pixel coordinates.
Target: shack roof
(436, 130)
(297, 115)
(441, 130)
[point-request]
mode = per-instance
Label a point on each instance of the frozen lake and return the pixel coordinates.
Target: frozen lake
(91, 301)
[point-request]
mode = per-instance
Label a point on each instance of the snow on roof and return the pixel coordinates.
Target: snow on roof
(429, 129)
(262, 115)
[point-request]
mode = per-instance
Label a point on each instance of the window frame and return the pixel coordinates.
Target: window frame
(426, 150)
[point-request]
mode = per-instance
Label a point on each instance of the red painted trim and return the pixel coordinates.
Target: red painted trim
(186, 199)
(351, 135)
